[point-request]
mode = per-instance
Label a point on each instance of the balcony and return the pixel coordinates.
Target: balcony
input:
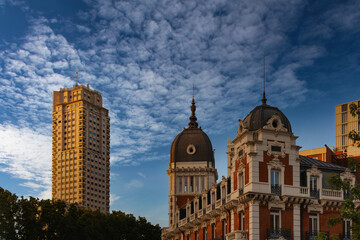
(345, 236)
(218, 203)
(333, 194)
(278, 233)
(312, 234)
(276, 189)
(237, 235)
(314, 193)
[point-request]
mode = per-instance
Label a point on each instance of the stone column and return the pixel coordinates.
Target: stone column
(254, 221)
(297, 222)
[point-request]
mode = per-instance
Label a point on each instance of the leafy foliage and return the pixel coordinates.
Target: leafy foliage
(348, 209)
(321, 236)
(22, 218)
(353, 135)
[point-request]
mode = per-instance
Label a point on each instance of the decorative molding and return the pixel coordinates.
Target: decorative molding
(276, 203)
(223, 216)
(315, 207)
(275, 164)
(314, 171)
(241, 128)
(274, 123)
(274, 153)
(348, 176)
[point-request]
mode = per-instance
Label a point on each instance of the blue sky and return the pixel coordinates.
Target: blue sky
(145, 56)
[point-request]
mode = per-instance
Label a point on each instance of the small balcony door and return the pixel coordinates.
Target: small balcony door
(313, 224)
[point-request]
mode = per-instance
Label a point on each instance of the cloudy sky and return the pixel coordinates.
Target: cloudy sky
(145, 56)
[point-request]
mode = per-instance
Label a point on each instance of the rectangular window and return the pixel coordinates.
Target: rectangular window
(347, 229)
(344, 128)
(344, 117)
(344, 107)
(313, 183)
(313, 224)
(224, 226)
(204, 234)
(213, 228)
(242, 221)
(275, 219)
(274, 178)
(241, 181)
(276, 148)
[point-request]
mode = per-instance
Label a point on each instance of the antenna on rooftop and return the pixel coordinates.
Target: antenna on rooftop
(264, 98)
(77, 79)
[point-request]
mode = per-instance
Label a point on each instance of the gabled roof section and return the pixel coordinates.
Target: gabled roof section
(306, 162)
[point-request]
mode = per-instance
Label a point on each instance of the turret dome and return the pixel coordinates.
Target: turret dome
(192, 144)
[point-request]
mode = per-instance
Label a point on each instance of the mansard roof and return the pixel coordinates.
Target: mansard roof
(307, 162)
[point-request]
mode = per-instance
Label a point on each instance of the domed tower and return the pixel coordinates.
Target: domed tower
(264, 159)
(192, 166)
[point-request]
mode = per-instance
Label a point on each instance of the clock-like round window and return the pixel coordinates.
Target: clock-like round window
(191, 149)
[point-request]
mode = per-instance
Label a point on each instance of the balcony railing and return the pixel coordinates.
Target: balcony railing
(345, 236)
(276, 189)
(331, 193)
(314, 193)
(304, 190)
(238, 235)
(311, 235)
(278, 233)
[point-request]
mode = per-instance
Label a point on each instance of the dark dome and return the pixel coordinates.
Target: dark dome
(260, 115)
(192, 144)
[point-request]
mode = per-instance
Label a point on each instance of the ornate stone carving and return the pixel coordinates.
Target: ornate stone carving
(274, 123)
(276, 154)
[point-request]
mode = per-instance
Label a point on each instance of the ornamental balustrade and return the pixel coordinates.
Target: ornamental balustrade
(237, 235)
(276, 233)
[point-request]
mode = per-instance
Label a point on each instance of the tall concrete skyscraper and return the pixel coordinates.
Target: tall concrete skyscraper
(345, 123)
(81, 148)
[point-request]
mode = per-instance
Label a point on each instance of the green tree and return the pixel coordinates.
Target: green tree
(349, 209)
(31, 218)
(8, 215)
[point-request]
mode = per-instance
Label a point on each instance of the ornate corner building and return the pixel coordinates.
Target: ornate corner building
(81, 148)
(270, 192)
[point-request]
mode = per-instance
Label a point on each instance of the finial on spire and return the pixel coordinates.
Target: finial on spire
(77, 79)
(193, 119)
(263, 100)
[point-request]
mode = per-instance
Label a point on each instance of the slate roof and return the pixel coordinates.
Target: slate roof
(306, 162)
(259, 116)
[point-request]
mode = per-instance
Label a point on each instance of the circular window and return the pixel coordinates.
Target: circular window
(191, 149)
(275, 123)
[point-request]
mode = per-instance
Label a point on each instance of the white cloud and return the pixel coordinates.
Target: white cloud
(26, 154)
(134, 184)
(113, 198)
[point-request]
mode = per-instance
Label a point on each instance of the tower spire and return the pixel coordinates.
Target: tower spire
(77, 83)
(193, 119)
(263, 100)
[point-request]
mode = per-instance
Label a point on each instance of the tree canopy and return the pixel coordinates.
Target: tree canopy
(31, 218)
(349, 209)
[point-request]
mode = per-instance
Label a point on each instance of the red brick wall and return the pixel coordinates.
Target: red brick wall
(182, 200)
(263, 170)
(327, 214)
(247, 218)
(236, 221)
(287, 219)
(264, 220)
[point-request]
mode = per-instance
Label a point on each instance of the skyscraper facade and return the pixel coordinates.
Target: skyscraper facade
(345, 123)
(81, 148)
